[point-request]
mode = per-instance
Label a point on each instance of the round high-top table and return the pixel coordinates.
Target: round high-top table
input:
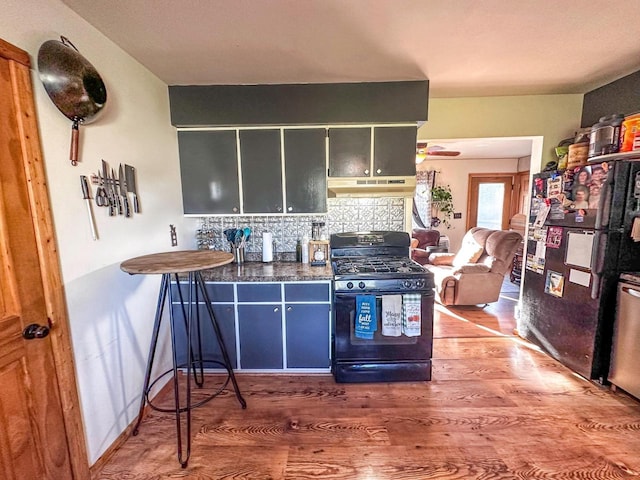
(189, 262)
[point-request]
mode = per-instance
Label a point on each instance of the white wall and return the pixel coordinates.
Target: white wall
(111, 313)
(455, 173)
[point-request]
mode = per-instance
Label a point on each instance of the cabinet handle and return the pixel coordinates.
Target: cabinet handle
(289, 308)
(278, 208)
(378, 171)
(366, 172)
(276, 309)
(290, 209)
(235, 209)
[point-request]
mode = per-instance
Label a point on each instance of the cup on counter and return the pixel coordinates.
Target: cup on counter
(238, 254)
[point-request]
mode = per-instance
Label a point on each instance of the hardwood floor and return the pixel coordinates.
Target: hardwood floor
(496, 408)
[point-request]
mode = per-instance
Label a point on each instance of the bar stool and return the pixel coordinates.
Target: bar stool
(191, 263)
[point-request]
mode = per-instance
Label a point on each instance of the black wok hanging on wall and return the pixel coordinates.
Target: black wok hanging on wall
(73, 85)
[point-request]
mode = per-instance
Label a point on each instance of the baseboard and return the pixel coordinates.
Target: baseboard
(97, 467)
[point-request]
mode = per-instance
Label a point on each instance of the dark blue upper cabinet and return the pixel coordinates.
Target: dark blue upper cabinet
(305, 170)
(394, 151)
(209, 172)
(261, 159)
(350, 152)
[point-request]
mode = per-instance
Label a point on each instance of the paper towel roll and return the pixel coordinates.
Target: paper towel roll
(267, 247)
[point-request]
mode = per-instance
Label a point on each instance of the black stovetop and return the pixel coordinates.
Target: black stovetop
(377, 265)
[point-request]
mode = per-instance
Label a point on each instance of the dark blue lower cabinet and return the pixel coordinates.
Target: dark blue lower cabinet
(225, 317)
(260, 330)
(307, 335)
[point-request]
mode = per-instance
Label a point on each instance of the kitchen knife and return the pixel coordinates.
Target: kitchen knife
(107, 187)
(130, 178)
(123, 191)
(87, 197)
(116, 191)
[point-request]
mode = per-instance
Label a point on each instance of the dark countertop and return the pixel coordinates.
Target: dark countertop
(267, 272)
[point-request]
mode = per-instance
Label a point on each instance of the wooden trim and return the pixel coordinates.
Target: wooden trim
(50, 267)
(518, 194)
(472, 193)
(11, 52)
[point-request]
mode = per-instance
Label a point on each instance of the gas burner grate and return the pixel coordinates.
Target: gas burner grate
(356, 265)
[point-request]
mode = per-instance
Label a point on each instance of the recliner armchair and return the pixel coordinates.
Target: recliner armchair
(423, 242)
(475, 274)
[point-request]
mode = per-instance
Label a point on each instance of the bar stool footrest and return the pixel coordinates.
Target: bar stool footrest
(194, 405)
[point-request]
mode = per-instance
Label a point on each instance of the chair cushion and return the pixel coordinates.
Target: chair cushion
(472, 268)
(470, 252)
(441, 258)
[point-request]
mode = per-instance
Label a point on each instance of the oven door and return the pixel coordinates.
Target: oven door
(349, 348)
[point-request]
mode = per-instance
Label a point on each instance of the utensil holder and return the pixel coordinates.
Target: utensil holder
(238, 254)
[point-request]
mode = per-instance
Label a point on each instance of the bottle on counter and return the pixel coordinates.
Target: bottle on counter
(267, 247)
(299, 251)
(305, 249)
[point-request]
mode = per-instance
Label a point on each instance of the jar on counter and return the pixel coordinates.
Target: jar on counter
(316, 230)
(630, 133)
(605, 135)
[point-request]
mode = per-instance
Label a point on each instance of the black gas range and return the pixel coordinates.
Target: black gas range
(374, 269)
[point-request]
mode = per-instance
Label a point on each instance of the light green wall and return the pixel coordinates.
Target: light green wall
(554, 117)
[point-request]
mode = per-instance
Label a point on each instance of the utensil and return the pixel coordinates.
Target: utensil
(73, 85)
(107, 187)
(87, 197)
(101, 193)
(230, 234)
(116, 191)
(238, 237)
(247, 233)
(123, 191)
(130, 176)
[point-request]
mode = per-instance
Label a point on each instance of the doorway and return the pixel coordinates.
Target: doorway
(490, 200)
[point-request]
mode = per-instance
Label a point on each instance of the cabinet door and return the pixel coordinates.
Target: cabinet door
(307, 335)
(260, 330)
(261, 171)
(350, 152)
(305, 170)
(225, 316)
(209, 172)
(394, 151)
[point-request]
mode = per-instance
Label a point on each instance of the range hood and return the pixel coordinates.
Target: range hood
(371, 186)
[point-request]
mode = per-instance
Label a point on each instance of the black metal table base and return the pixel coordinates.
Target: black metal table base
(195, 361)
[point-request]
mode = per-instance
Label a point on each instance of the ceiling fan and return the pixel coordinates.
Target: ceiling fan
(423, 149)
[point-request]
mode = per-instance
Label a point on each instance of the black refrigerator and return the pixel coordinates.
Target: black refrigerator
(579, 240)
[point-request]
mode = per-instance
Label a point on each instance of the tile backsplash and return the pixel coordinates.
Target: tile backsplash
(345, 214)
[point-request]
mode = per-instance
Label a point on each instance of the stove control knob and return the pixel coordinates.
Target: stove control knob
(349, 285)
(361, 285)
(406, 284)
(420, 284)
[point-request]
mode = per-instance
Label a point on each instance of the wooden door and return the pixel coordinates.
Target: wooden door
(33, 426)
(522, 193)
(489, 200)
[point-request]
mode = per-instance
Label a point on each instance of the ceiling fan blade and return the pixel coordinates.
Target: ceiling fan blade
(443, 153)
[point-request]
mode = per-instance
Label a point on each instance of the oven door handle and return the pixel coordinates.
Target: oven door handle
(379, 293)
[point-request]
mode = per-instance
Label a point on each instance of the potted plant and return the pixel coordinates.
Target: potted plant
(441, 205)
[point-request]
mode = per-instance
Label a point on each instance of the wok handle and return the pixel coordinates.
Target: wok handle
(75, 137)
